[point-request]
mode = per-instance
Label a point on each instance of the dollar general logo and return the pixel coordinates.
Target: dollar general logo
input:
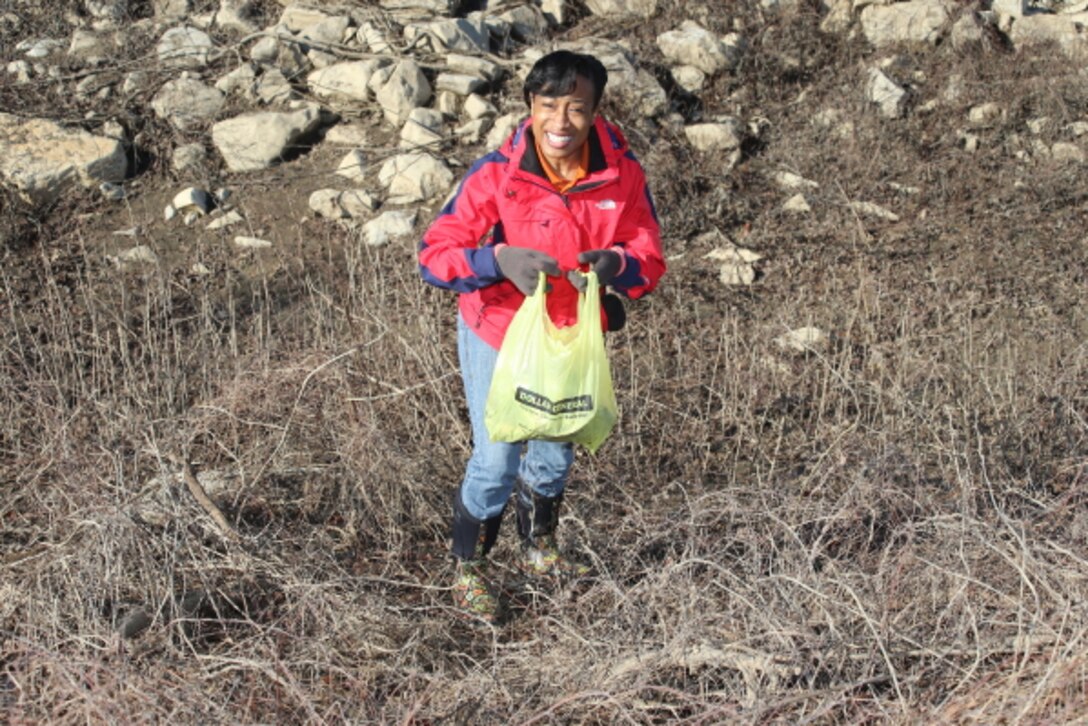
(575, 404)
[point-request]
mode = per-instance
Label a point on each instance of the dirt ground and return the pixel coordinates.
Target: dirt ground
(886, 527)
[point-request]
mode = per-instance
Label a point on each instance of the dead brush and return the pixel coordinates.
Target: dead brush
(885, 528)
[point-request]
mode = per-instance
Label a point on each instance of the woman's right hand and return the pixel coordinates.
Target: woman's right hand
(522, 266)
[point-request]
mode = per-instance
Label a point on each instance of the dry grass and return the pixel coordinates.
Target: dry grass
(890, 529)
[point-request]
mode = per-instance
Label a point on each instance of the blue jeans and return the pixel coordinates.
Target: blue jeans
(494, 465)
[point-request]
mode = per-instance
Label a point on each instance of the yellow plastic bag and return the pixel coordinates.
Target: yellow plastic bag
(553, 383)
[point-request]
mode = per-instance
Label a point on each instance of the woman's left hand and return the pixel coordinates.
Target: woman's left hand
(606, 263)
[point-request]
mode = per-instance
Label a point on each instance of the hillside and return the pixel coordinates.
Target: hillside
(847, 481)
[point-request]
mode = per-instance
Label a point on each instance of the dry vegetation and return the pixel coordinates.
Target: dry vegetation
(892, 529)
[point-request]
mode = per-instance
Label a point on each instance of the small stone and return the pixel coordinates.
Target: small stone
(802, 340)
(252, 243)
(353, 166)
(169, 213)
(869, 209)
(797, 204)
(112, 192)
(192, 199)
(140, 254)
(228, 219)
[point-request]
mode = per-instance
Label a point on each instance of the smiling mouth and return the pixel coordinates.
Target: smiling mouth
(556, 140)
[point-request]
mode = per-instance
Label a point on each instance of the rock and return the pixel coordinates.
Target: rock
(272, 87)
(737, 264)
(554, 11)
(343, 81)
(985, 114)
(373, 38)
(789, 181)
(689, 78)
(227, 220)
(40, 48)
(640, 8)
(185, 47)
(406, 89)
(189, 159)
(111, 192)
(692, 45)
(526, 22)
(449, 34)
(326, 203)
(424, 127)
(44, 160)
(839, 17)
(501, 129)
(797, 204)
(967, 32)
(1063, 30)
(353, 166)
(258, 140)
(885, 94)
(916, 21)
(136, 82)
(357, 203)
(252, 243)
(187, 103)
(803, 340)
(1064, 151)
(414, 177)
(237, 15)
(472, 131)
(21, 69)
(476, 107)
(1014, 8)
(114, 10)
(720, 136)
(389, 226)
(192, 199)
(473, 66)
(459, 84)
(284, 54)
(869, 209)
(299, 17)
(242, 79)
(90, 47)
(172, 9)
(447, 103)
(347, 135)
(138, 255)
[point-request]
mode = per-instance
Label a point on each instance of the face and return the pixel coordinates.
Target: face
(562, 123)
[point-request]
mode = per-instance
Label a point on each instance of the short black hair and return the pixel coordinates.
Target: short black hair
(557, 73)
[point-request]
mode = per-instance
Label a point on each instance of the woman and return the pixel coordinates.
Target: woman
(563, 193)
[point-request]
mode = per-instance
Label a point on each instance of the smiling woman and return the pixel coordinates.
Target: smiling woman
(563, 195)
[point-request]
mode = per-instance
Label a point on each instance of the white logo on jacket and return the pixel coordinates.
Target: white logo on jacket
(606, 204)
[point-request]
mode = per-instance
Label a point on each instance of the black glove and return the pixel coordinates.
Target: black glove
(522, 266)
(606, 263)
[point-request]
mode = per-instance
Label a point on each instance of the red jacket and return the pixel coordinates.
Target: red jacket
(507, 194)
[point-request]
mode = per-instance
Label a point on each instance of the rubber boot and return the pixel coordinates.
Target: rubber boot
(538, 518)
(472, 541)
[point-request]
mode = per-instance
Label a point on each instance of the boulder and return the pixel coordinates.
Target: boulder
(187, 103)
(472, 66)
(477, 107)
(258, 140)
(344, 81)
(43, 160)
(388, 226)
(640, 8)
(423, 128)
(185, 47)
(407, 88)
(888, 96)
(1063, 30)
(692, 45)
(461, 85)
(725, 135)
(916, 21)
(414, 177)
(449, 34)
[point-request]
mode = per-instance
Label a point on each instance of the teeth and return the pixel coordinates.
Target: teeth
(559, 139)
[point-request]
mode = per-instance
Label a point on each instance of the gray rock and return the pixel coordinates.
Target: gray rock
(640, 8)
(886, 94)
(185, 47)
(187, 103)
(344, 81)
(353, 166)
(242, 80)
(461, 85)
(237, 15)
(477, 107)
(189, 159)
(43, 160)
(1064, 30)
(423, 128)
(414, 177)
(272, 87)
(693, 45)
(725, 135)
(916, 21)
(258, 140)
(449, 34)
(526, 22)
(389, 226)
(406, 89)
(473, 66)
